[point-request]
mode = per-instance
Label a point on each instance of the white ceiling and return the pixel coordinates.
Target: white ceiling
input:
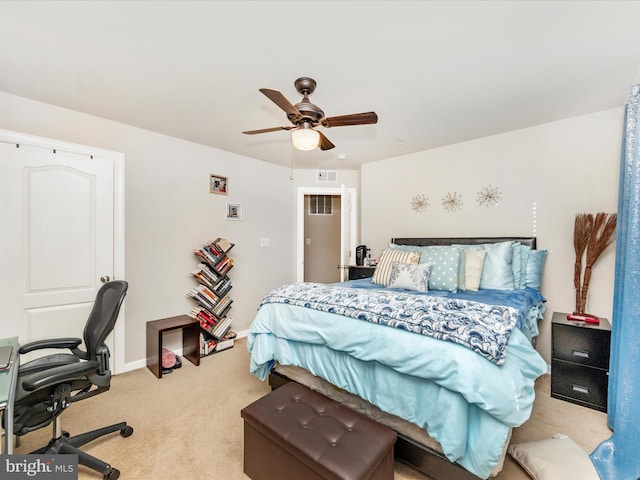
(435, 72)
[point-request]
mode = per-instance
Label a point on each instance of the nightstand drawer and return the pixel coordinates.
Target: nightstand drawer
(581, 345)
(579, 384)
(357, 272)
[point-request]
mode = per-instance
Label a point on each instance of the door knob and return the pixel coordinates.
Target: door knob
(105, 279)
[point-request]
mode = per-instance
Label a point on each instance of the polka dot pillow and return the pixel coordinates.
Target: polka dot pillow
(444, 262)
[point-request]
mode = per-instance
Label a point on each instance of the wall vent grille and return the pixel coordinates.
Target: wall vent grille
(327, 176)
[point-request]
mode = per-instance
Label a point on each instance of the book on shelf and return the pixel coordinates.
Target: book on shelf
(226, 342)
(200, 313)
(222, 328)
(204, 297)
(210, 344)
(214, 250)
(223, 285)
(224, 265)
(206, 254)
(220, 307)
(207, 344)
(206, 326)
(205, 274)
(223, 244)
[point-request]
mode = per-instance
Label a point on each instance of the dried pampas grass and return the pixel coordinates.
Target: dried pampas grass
(591, 236)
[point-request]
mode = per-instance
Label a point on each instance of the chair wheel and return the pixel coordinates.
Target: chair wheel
(114, 474)
(126, 431)
(66, 434)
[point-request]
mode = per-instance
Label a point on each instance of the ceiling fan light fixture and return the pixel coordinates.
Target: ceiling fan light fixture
(305, 138)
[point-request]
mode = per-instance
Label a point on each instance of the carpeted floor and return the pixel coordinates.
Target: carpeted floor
(188, 426)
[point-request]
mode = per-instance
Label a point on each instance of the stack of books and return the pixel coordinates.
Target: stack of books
(210, 343)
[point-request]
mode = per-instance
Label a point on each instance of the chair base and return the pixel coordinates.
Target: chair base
(65, 444)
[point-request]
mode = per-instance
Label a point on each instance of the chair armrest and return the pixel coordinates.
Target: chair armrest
(55, 375)
(69, 343)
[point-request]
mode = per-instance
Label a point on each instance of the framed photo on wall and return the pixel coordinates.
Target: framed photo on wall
(234, 211)
(218, 184)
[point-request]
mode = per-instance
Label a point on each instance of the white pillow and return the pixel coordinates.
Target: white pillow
(473, 264)
(557, 458)
(410, 276)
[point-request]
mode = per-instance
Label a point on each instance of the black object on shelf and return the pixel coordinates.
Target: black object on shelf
(361, 254)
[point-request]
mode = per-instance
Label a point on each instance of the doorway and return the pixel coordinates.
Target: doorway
(347, 232)
(322, 238)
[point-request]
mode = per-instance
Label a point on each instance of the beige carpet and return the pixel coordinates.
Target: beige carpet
(188, 426)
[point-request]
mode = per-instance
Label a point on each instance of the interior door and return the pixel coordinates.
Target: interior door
(58, 239)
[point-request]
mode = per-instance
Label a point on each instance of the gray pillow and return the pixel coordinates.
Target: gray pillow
(557, 458)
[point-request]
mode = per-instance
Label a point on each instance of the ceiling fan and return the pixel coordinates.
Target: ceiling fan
(304, 116)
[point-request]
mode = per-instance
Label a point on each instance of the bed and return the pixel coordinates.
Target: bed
(453, 375)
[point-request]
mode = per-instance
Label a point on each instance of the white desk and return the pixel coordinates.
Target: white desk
(8, 380)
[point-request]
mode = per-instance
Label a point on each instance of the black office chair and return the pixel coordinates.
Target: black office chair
(48, 385)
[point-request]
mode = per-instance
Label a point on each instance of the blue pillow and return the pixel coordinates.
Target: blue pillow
(497, 271)
(516, 264)
(523, 252)
(535, 264)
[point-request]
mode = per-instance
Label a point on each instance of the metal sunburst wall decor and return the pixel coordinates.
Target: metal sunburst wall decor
(489, 196)
(419, 203)
(452, 202)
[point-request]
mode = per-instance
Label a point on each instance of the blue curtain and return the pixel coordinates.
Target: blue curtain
(618, 458)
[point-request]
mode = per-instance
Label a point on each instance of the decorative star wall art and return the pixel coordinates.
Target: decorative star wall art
(489, 196)
(419, 203)
(452, 202)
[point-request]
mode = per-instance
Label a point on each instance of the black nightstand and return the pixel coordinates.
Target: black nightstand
(356, 272)
(580, 361)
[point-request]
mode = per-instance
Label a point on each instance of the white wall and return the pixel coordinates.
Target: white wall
(169, 211)
(565, 168)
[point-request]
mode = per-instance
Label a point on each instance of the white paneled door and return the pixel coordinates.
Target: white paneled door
(57, 243)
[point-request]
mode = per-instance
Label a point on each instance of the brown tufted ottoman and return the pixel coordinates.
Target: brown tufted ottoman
(294, 433)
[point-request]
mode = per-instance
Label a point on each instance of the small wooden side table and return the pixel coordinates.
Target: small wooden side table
(190, 340)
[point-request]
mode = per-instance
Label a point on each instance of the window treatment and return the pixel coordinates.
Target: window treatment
(617, 457)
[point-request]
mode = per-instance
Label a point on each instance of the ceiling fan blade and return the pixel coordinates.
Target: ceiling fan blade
(325, 143)
(353, 119)
(266, 130)
(280, 100)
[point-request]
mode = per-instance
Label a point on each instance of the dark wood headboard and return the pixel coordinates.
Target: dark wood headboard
(425, 242)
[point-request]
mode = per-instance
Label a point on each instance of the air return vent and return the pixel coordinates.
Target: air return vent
(327, 176)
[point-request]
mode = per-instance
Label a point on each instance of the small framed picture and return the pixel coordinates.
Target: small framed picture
(218, 184)
(234, 211)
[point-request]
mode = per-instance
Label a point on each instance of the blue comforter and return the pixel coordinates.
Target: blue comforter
(465, 402)
(482, 327)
